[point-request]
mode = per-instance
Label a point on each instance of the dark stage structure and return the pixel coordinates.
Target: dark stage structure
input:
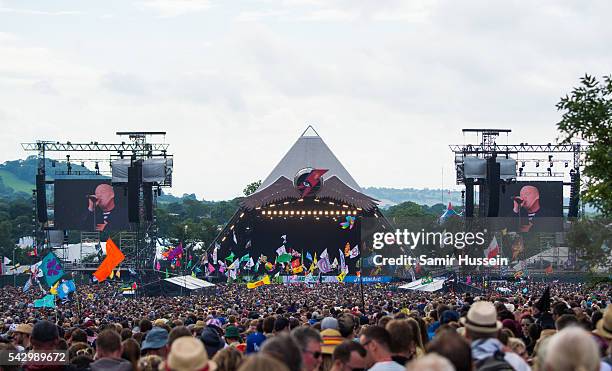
(307, 205)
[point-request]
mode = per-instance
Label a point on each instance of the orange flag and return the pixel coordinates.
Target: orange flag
(114, 256)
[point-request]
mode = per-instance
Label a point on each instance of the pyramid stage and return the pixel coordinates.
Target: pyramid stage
(307, 207)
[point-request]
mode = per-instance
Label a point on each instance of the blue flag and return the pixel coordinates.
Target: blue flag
(47, 301)
(52, 269)
(65, 288)
(308, 256)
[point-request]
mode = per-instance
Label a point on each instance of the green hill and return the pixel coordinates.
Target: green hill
(18, 185)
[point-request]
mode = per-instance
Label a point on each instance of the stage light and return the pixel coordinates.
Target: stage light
(331, 203)
(318, 218)
(316, 200)
(263, 212)
(258, 208)
(292, 212)
(320, 212)
(274, 212)
(345, 206)
(241, 215)
(303, 212)
(337, 212)
(309, 212)
(272, 205)
(301, 200)
(231, 227)
(343, 212)
(286, 203)
(326, 212)
(223, 239)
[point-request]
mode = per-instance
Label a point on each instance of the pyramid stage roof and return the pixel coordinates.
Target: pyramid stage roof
(309, 151)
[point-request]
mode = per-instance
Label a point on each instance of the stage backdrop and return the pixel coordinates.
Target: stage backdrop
(74, 197)
(537, 203)
(306, 235)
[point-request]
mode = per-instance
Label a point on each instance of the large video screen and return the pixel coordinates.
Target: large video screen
(533, 205)
(90, 205)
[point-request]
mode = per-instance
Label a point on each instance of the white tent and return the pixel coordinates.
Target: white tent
(189, 282)
(418, 285)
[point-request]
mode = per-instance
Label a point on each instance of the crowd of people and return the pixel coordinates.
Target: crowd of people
(323, 326)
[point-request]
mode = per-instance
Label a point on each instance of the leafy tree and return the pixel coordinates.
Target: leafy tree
(591, 239)
(587, 115)
(251, 188)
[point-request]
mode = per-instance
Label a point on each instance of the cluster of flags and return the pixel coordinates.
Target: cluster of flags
(286, 260)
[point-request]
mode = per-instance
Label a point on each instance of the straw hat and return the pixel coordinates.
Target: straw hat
(24, 328)
(604, 325)
(482, 318)
(188, 354)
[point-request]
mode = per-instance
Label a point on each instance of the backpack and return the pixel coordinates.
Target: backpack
(495, 362)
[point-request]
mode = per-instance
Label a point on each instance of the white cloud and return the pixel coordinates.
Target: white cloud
(173, 8)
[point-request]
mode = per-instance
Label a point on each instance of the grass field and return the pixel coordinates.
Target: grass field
(10, 180)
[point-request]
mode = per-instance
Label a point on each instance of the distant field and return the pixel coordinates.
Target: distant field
(10, 180)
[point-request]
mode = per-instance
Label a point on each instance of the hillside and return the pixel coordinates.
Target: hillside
(394, 196)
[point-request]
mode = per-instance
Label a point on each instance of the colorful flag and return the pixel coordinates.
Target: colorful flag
(234, 237)
(347, 249)
(111, 275)
(426, 280)
(248, 244)
(66, 288)
(269, 266)
(250, 264)
(167, 274)
(341, 276)
(324, 265)
(245, 258)
(354, 252)
(52, 269)
(334, 264)
(27, 285)
(210, 268)
(230, 257)
(281, 251)
(324, 255)
(114, 257)
(263, 281)
(53, 289)
(157, 266)
(221, 267)
(493, 250)
(284, 258)
(343, 267)
(175, 252)
(308, 256)
(47, 301)
(234, 265)
(214, 254)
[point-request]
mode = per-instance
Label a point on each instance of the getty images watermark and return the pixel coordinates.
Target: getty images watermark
(404, 238)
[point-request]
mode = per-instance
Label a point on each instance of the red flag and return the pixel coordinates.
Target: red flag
(493, 250)
(134, 286)
(114, 257)
(549, 269)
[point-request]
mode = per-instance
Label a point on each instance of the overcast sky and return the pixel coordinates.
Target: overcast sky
(387, 84)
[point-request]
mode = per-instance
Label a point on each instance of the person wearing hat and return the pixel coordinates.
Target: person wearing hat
(198, 327)
(188, 354)
(481, 328)
(212, 341)
(233, 339)
(156, 342)
(603, 330)
(21, 337)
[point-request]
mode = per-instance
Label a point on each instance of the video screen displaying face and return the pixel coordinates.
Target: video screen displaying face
(535, 206)
(90, 205)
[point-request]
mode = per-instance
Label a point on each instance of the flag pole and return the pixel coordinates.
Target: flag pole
(361, 280)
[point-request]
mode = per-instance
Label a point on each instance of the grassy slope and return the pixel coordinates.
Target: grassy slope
(10, 180)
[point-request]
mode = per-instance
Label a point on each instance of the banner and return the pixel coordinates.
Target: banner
(47, 301)
(264, 281)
